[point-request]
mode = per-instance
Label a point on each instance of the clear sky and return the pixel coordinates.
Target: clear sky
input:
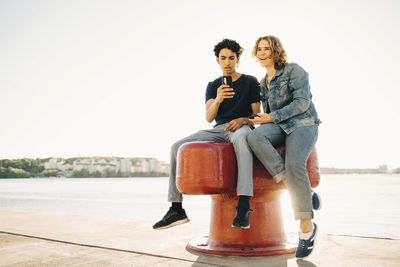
(128, 78)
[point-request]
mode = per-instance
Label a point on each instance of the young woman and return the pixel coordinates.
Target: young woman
(290, 118)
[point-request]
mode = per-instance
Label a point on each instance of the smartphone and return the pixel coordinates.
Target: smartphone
(227, 80)
(254, 116)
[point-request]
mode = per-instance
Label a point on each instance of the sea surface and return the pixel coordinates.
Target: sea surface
(354, 205)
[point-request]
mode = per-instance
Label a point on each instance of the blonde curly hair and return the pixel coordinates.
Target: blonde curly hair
(278, 53)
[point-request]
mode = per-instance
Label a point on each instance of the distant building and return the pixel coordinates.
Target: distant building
(51, 164)
(81, 164)
(140, 166)
(125, 165)
(149, 165)
(57, 164)
(101, 166)
(163, 167)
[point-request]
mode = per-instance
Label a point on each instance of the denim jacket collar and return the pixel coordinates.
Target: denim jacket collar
(278, 73)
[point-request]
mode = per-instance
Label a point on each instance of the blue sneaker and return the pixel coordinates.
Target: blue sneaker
(306, 245)
(316, 201)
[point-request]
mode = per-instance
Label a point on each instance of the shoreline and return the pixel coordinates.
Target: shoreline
(163, 176)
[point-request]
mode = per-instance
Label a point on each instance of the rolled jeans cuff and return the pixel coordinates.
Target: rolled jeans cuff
(177, 198)
(279, 177)
(304, 215)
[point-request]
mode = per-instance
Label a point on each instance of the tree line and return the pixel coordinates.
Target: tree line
(27, 167)
(21, 168)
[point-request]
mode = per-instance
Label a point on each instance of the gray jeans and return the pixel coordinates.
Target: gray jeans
(243, 153)
(299, 145)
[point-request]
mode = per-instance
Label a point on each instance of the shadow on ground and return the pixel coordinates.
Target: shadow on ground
(274, 261)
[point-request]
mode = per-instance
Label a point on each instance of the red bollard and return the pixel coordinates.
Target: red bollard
(211, 168)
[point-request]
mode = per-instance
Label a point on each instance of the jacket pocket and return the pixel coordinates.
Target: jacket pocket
(283, 88)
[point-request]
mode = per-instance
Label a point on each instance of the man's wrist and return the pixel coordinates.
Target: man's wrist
(244, 120)
(217, 101)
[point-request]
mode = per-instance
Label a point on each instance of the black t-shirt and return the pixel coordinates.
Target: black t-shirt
(247, 91)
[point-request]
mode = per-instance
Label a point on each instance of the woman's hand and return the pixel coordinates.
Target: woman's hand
(261, 119)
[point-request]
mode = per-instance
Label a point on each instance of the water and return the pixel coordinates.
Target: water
(356, 205)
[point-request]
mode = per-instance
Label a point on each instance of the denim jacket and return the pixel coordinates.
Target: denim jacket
(288, 98)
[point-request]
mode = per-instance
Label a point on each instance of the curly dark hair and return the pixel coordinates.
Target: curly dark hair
(231, 45)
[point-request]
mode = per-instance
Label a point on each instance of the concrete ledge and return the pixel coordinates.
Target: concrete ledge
(37, 239)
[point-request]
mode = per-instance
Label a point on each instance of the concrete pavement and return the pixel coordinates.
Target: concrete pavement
(39, 239)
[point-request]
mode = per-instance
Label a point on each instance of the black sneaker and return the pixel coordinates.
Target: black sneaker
(242, 218)
(316, 201)
(171, 218)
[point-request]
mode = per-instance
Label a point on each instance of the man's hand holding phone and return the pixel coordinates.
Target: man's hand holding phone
(223, 92)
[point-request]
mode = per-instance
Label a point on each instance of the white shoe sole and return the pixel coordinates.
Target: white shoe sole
(246, 227)
(173, 224)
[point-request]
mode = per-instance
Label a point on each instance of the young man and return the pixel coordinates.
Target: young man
(230, 108)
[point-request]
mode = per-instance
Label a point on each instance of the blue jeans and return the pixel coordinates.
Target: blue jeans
(299, 145)
(243, 153)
